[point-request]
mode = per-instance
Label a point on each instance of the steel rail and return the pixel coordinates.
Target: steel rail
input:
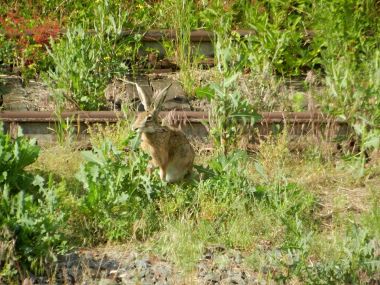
(160, 34)
(195, 36)
(155, 35)
(188, 116)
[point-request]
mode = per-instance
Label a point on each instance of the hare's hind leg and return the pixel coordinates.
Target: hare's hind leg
(150, 168)
(163, 174)
(176, 172)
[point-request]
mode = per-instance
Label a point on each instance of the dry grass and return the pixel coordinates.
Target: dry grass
(339, 191)
(185, 231)
(60, 160)
(116, 133)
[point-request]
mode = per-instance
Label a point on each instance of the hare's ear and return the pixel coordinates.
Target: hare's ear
(145, 100)
(160, 98)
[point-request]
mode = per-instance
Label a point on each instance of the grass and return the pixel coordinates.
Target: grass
(300, 212)
(53, 158)
(295, 216)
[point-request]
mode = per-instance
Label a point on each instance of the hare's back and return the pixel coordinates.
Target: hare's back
(181, 157)
(180, 146)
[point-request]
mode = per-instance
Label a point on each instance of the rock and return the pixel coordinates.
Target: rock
(176, 98)
(91, 263)
(130, 259)
(141, 264)
(147, 282)
(128, 282)
(233, 281)
(127, 279)
(212, 278)
(208, 255)
(120, 92)
(202, 270)
(27, 281)
(34, 96)
(161, 271)
(223, 273)
(69, 260)
(105, 281)
(161, 283)
(238, 258)
(109, 265)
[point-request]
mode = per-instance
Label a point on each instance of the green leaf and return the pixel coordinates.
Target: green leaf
(38, 181)
(92, 157)
(204, 92)
(228, 81)
(372, 140)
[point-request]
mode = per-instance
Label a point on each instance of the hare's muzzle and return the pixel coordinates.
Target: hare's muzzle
(135, 129)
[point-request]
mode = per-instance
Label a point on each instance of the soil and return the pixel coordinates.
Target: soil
(121, 265)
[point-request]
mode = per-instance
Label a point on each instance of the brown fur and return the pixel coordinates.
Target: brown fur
(170, 150)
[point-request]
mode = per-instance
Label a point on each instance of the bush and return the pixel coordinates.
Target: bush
(23, 43)
(117, 191)
(353, 94)
(85, 61)
(15, 155)
(29, 217)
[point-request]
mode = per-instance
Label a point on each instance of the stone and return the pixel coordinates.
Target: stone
(105, 281)
(127, 279)
(120, 92)
(27, 281)
(15, 96)
(161, 271)
(160, 282)
(202, 270)
(176, 98)
(233, 281)
(142, 264)
(69, 260)
(212, 278)
(109, 265)
(238, 258)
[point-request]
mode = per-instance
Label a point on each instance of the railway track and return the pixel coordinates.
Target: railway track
(43, 125)
(151, 40)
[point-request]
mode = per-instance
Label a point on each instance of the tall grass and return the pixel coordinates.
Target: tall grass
(85, 62)
(181, 17)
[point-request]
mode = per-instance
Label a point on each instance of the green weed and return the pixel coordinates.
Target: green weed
(29, 218)
(85, 62)
(116, 190)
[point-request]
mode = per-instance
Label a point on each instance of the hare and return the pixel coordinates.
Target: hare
(169, 148)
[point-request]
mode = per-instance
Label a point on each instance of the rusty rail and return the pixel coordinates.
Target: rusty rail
(155, 35)
(190, 116)
(42, 125)
(195, 36)
(160, 34)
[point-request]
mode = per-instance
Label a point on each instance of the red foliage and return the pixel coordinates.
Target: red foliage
(27, 32)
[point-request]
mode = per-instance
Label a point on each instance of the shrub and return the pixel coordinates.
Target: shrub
(230, 110)
(7, 48)
(15, 155)
(353, 94)
(117, 191)
(29, 217)
(25, 43)
(85, 61)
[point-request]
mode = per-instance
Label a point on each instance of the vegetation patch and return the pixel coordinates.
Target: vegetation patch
(285, 211)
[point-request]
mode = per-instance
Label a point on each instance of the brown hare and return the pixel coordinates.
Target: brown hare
(169, 148)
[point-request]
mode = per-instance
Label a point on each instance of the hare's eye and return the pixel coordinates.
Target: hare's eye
(149, 118)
